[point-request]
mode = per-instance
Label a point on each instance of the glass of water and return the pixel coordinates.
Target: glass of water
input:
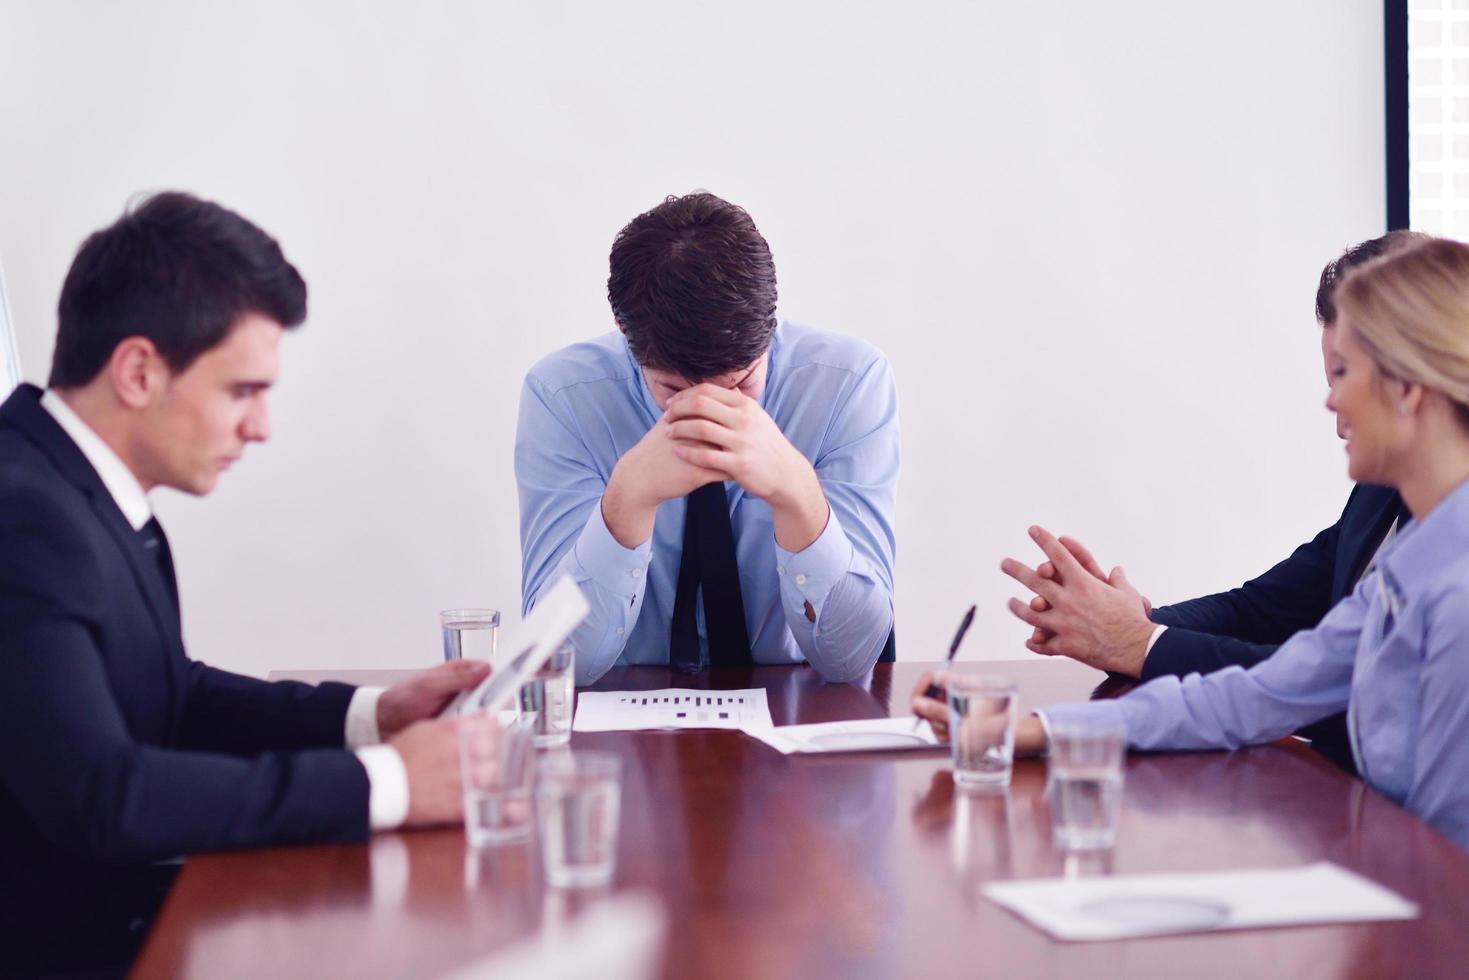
(498, 770)
(981, 730)
(469, 633)
(578, 803)
(1085, 763)
(549, 695)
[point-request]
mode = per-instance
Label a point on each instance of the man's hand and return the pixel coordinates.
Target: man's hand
(430, 754)
(646, 475)
(425, 694)
(1100, 620)
(1047, 570)
(726, 430)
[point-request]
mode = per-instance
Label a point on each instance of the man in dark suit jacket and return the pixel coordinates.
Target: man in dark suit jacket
(120, 751)
(1103, 621)
(1245, 625)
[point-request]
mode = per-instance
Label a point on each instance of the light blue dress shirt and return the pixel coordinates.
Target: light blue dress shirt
(832, 396)
(1395, 654)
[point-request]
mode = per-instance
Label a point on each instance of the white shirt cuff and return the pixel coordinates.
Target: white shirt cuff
(362, 718)
(1157, 632)
(387, 786)
(1045, 730)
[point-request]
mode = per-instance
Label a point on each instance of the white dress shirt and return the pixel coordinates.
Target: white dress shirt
(387, 779)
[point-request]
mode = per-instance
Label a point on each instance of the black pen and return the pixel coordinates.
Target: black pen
(933, 690)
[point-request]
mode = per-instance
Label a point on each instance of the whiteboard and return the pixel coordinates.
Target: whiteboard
(1087, 235)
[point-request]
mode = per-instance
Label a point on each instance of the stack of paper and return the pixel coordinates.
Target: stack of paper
(1128, 906)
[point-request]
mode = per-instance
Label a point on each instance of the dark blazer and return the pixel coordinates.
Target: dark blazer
(116, 749)
(1245, 625)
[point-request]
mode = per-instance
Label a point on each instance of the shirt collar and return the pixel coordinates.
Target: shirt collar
(126, 491)
(1424, 547)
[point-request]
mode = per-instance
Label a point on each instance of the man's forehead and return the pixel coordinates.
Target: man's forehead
(252, 346)
(728, 380)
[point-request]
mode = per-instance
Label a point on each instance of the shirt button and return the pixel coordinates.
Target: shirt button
(620, 631)
(635, 572)
(780, 569)
(800, 580)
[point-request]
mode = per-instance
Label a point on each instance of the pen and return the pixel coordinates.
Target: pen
(933, 691)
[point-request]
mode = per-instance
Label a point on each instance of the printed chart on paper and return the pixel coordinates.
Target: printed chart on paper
(627, 711)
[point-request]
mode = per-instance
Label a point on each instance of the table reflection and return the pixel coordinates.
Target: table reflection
(982, 838)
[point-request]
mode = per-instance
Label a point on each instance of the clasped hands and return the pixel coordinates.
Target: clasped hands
(711, 434)
(1080, 611)
(1077, 611)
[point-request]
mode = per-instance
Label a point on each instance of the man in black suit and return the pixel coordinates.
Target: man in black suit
(1106, 623)
(120, 751)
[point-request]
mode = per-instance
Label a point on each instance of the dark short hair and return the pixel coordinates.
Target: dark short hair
(176, 270)
(692, 286)
(1356, 255)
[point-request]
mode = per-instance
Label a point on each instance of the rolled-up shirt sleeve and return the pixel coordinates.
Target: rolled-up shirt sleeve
(361, 726)
(846, 574)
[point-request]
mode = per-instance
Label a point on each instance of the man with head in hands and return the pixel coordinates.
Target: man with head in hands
(121, 751)
(719, 481)
(1100, 619)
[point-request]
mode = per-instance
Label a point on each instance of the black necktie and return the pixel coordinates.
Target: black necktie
(708, 560)
(155, 542)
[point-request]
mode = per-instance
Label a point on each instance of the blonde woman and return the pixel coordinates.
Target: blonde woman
(1395, 653)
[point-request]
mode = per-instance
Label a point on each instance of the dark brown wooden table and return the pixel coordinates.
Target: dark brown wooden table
(854, 866)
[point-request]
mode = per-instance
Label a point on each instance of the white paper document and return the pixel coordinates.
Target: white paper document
(631, 711)
(1130, 906)
(857, 735)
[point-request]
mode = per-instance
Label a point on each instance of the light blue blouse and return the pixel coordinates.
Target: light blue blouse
(1395, 654)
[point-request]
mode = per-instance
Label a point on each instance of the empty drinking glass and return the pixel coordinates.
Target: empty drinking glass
(1085, 763)
(578, 803)
(498, 769)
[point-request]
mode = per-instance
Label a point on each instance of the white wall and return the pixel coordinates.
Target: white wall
(1086, 234)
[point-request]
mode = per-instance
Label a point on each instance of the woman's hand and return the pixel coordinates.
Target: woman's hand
(934, 710)
(1030, 735)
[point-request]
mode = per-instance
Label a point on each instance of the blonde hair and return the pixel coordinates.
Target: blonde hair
(1409, 310)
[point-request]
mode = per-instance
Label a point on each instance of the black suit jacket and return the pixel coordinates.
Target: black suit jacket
(1245, 625)
(116, 749)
